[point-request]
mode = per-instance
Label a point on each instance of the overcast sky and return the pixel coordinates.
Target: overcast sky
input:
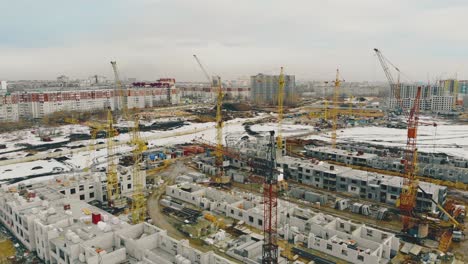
(41, 39)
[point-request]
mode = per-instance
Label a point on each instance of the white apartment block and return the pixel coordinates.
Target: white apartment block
(38, 104)
(432, 98)
(365, 185)
(352, 242)
(64, 230)
(200, 92)
(9, 108)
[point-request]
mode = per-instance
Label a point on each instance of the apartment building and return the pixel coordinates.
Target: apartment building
(37, 104)
(9, 108)
(433, 98)
(65, 230)
(264, 89)
(429, 164)
(362, 184)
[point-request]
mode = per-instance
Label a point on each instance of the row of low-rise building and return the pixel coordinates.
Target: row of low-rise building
(37, 104)
(437, 167)
(355, 243)
(366, 185)
(62, 229)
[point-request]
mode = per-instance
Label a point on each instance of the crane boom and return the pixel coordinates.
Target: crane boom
(123, 100)
(394, 87)
(203, 69)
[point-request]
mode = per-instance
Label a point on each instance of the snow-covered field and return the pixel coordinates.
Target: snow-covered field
(80, 160)
(286, 129)
(445, 138)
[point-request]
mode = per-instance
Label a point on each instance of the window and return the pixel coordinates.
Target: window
(251, 219)
(393, 197)
(81, 187)
(369, 232)
(353, 188)
(307, 171)
(82, 197)
(342, 179)
(329, 247)
(129, 186)
(72, 191)
(342, 225)
(62, 191)
(344, 252)
(91, 195)
(360, 257)
(62, 255)
(353, 181)
(232, 211)
(317, 179)
(91, 187)
(260, 222)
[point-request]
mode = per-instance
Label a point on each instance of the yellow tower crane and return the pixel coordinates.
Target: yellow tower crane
(138, 210)
(220, 179)
(138, 197)
(215, 81)
(335, 108)
(279, 142)
(113, 189)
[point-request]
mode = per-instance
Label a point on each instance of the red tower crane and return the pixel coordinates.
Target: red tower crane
(270, 206)
(407, 200)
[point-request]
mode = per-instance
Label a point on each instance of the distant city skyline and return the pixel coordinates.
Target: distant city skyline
(157, 38)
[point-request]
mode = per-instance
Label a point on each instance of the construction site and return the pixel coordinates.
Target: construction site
(265, 175)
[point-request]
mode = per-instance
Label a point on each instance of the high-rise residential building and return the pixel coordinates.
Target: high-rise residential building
(433, 98)
(463, 86)
(264, 89)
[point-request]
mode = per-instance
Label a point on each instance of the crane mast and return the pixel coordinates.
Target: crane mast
(407, 200)
(270, 206)
(219, 133)
(139, 201)
(138, 211)
(335, 108)
(123, 100)
(113, 189)
(279, 142)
